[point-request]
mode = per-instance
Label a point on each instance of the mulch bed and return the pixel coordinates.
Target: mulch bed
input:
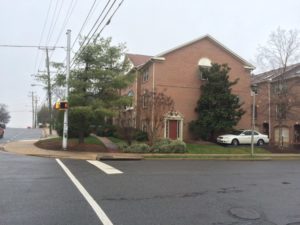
(72, 146)
(295, 149)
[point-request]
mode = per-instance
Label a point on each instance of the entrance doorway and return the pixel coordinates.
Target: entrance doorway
(266, 128)
(173, 129)
(173, 126)
(297, 133)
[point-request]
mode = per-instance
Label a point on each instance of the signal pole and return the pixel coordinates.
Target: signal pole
(65, 131)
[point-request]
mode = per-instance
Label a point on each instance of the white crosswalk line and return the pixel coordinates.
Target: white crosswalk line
(98, 210)
(104, 167)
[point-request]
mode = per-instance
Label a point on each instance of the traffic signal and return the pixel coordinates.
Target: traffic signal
(61, 105)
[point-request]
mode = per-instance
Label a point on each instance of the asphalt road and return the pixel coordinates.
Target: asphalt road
(16, 134)
(38, 191)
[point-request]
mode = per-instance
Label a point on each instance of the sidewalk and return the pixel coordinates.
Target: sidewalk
(28, 148)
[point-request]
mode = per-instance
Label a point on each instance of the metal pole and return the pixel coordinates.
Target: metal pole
(32, 99)
(49, 91)
(36, 112)
(253, 122)
(65, 131)
(270, 127)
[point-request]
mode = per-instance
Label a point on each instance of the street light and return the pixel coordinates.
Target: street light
(254, 89)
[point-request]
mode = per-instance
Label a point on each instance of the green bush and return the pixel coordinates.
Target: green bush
(141, 135)
(169, 146)
(122, 146)
(137, 148)
(106, 130)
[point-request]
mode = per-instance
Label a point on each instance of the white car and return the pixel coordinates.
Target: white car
(243, 137)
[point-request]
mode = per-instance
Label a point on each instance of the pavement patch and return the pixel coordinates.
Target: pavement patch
(243, 213)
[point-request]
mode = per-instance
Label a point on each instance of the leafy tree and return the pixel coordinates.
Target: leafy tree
(218, 109)
(4, 114)
(43, 115)
(95, 84)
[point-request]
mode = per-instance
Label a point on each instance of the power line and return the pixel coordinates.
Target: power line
(84, 23)
(30, 46)
(52, 21)
(42, 34)
(83, 45)
(66, 20)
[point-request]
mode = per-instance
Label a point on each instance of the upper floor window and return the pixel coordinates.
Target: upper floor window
(281, 111)
(145, 75)
(203, 63)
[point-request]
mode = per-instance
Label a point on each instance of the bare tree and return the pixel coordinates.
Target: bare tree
(154, 106)
(281, 51)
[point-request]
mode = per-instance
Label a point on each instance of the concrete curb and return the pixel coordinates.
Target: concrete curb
(28, 148)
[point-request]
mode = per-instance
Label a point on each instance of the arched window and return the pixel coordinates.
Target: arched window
(203, 63)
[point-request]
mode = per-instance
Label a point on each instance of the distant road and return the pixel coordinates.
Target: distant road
(17, 134)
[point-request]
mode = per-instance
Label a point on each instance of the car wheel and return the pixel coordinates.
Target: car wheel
(235, 142)
(260, 142)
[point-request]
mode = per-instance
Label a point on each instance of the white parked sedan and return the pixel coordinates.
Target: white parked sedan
(243, 137)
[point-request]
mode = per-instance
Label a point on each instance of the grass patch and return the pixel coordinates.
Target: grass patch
(116, 140)
(87, 140)
(219, 149)
(210, 149)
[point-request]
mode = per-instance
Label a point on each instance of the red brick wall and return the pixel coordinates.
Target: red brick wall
(178, 76)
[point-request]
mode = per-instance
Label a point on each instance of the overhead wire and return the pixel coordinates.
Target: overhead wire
(42, 33)
(66, 20)
(84, 45)
(54, 21)
(84, 23)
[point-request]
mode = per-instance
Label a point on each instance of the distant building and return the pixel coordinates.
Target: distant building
(176, 73)
(270, 108)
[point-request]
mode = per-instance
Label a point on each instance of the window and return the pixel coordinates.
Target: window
(203, 63)
(145, 100)
(145, 75)
(281, 110)
(144, 127)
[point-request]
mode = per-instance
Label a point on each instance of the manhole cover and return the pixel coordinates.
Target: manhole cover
(243, 213)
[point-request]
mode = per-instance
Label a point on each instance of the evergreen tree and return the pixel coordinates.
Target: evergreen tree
(95, 86)
(218, 109)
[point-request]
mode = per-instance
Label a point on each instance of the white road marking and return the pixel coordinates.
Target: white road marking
(104, 167)
(100, 213)
(25, 140)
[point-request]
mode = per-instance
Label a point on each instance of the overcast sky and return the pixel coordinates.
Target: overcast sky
(146, 26)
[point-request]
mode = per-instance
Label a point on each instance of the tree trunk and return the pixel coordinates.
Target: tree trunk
(81, 137)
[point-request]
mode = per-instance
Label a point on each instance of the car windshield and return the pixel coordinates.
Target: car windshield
(236, 132)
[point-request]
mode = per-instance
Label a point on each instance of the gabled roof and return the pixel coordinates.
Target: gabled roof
(207, 36)
(290, 72)
(138, 60)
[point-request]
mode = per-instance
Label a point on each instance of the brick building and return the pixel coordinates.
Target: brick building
(271, 107)
(176, 73)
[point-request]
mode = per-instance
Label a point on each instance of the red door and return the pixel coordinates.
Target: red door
(173, 129)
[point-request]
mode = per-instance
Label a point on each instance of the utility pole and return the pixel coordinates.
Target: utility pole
(36, 117)
(32, 101)
(65, 131)
(49, 90)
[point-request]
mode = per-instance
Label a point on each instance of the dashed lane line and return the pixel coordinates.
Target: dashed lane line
(100, 213)
(104, 167)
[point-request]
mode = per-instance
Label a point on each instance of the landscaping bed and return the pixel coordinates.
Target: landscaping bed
(91, 144)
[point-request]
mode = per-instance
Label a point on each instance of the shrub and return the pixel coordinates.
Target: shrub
(169, 146)
(106, 130)
(141, 135)
(137, 148)
(122, 146)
